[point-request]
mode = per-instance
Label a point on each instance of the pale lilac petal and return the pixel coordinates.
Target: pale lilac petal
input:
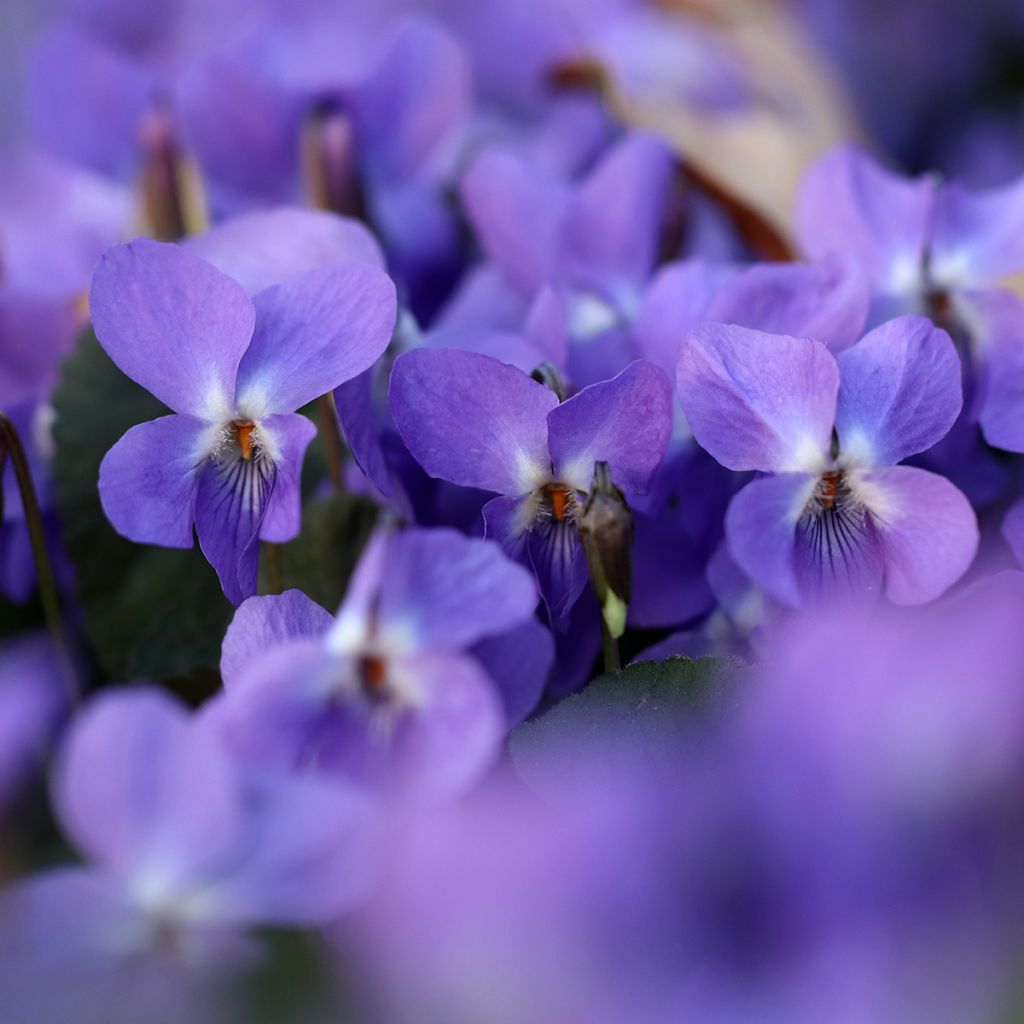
(611, 229)
(758, 401)
(149, 480)
(363, 426)
(454, 734)
(625, 422)
(446, 591)
(850, 205)
(35, 335)
(928, 530)
(977, 237)
(303, 864)
(760, 529)
(899, 392)
(472, 420)
(546, 327)
(291, 434)
(173, 323)
(267, 247)
(515, 211)
(144, 793)
(518, 662)
(262, 623)
(676, 301)
(827, 301)
(231, 502)
(314, 332)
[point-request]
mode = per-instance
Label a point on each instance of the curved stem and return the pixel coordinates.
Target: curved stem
(11, 445)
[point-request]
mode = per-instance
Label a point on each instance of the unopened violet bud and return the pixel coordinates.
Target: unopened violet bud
(173, 204)
(328, 159)
(606, 530)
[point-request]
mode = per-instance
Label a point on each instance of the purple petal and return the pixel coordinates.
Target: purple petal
(1013, 530)
(676, 301)
(472, 420)
(555, 554)
(262, 623)
(413, 101)
(612, 226)
(899, 392)
(85, 102)
(314, 332)
(454, 735)
(850, 205)
(625, 422)
(243, 130)
(267, 247)
(291, 434)
(173, 323)
(998, 316)
(149, 480)
(977, 237)
(32, 702)
(518, 662)
(515, 211)
(304, 863)
(758, 401)
(35, 334)
(144, 793)
(928, 530)
(760, 529)
(827, 301)
(506, 521)
(231, 502)
(446, 591)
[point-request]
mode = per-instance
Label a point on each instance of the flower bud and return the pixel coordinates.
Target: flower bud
(606, 531)
(548, 375)
(328, 160)
(173, 204)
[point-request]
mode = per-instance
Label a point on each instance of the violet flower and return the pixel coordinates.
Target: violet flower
(233, 371)
(836, 514)
(476, 422)
(183, 853)
(932, 248)
(388, 690)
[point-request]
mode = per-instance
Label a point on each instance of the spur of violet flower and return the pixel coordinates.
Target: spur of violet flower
(233, 371)
(391, 691)
(477, 422)
(836, 515)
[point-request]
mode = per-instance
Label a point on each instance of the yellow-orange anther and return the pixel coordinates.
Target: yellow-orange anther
(243, 435)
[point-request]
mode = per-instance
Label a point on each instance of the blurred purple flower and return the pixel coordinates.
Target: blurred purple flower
(476, 422)
(183, 852)
(833, 518)
(392, 690)
(234, 371)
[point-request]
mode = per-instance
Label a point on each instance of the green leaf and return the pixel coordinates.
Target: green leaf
(648, 710)
(148, 612)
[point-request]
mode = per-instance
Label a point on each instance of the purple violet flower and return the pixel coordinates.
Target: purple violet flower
(477, 422)
(388, 690)
(183, 852)
(233, 371)
(836, 514)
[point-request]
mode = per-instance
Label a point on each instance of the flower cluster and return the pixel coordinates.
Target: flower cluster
(377, 379)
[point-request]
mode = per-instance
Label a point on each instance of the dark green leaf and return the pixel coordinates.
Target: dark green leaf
(646, 710)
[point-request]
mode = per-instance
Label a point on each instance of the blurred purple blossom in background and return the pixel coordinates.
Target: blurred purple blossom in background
(485, 349)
